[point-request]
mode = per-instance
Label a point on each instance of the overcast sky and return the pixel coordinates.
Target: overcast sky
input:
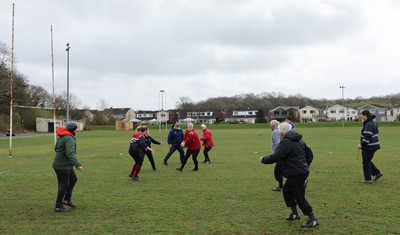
(123, 52)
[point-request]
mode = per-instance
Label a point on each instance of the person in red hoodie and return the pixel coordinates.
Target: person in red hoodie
(137, 149)
(64, 163)
(192, 142)
(208, 143)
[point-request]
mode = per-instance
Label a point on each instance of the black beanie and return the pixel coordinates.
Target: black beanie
(71, 126)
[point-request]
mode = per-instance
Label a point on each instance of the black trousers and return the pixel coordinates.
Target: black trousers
(149, 155)
(278, 173)
(66, 183)
(194, 154)
(294, 193)
(369, 167)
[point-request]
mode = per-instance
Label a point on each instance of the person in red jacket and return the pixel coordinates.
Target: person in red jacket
(192, 142)
(208, 143)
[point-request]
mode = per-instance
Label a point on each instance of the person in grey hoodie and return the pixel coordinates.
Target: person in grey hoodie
(64, 163)
(291, 151)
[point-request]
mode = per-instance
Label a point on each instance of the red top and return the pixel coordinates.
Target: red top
(191, 139)
(207, 138)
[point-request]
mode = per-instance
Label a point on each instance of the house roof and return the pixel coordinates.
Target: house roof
(286, 108)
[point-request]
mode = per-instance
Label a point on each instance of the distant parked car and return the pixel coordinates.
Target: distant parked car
(8, 133)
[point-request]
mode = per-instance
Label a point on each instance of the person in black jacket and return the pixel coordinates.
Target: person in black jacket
(369, 143)
(292, 152)
(149, 154)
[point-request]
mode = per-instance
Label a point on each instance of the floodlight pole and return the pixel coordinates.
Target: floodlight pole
(162, 109)
(68, 47)
(342, 87)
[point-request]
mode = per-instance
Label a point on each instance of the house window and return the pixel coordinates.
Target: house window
(341, 110)
(304, 111)
(381, 111)
(372, 110)
(312, 111)
(333, 111)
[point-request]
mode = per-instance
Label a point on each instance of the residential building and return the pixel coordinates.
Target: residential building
(241, 116)
(379, 111)
(281, 112)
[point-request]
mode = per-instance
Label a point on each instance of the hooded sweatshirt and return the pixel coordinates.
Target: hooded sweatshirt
(291, 151)
(65, 150)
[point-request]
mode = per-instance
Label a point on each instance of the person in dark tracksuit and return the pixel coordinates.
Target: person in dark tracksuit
(137, 149)
(275, 137)
(369, 144)
(292, 152)
(64, 164)
(149, 154)
(175, 138)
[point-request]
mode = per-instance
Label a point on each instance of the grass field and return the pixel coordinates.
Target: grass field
(230, 196)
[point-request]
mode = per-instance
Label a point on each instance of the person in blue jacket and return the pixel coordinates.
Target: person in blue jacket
(175, 138)
(369, 143)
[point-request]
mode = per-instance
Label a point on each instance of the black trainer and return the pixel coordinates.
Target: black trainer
(68, 203)
(165, 162)
(195, 169)
(378, 176)
(293, 217)
(310, 224)
(61, 209)
(179, 169)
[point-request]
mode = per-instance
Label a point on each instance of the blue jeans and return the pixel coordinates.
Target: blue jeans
(172, 150)
(205, 152)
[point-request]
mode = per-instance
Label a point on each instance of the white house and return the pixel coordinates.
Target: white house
(336, 112)
(308, 114)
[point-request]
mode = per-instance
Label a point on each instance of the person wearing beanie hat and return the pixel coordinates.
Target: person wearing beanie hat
(64, 163)
(175, 138)
(71, 126)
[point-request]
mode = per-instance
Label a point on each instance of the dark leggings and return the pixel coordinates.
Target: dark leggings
(149, 155)
(66, 183)
(194, 154)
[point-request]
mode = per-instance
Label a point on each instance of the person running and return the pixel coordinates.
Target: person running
(208, 143)
(137, 149)
(64, 163)
(369, 144)
(192, 142)
(292, 152)
(175, 138)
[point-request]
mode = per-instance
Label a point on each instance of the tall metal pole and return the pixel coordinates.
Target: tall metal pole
(342, 87)
(12, 84)
(52, 78)
(68, 47)
(162, 109)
